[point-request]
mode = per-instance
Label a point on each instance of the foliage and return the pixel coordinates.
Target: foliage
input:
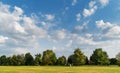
(38, 59)
(61, 60)
(49, 58)
(29, 59)
(118, 58)
(113, 61)
(3, 60)
(78, 58)
(99, 57)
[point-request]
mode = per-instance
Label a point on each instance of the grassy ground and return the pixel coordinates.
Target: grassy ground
(59, 69)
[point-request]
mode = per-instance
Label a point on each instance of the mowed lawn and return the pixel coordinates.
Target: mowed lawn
(59, 69)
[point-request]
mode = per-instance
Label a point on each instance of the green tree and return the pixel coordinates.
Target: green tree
(49, 58)
(9, 61)
(113, 61)
(78, 58)
(3, 60)
(99, 57)
(21, 59)
(118, 58)
(61, 60)
(14, 60)
(38, 59)
(29, 60)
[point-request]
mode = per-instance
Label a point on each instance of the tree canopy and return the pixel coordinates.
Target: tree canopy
(99, 57)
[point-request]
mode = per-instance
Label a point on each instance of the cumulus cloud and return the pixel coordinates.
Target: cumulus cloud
(113, 30)
(101, 24)
(78, 16)
(92, 8)
(18, 29)
(104, 2)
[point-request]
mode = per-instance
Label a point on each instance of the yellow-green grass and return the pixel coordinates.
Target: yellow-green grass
(59, 69)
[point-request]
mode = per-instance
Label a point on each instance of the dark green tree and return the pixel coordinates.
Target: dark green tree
(113, 61)
(99, 57)
(38, 59)
(78, 58)
(61, 60)
(29, 60)
(118, 58)
(21, 59)
(49, 58)
(14, 60)
(9, 61)
(3, 60)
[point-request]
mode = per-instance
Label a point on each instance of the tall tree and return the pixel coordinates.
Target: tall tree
(29, 60)
(49, 57)
(78, 58)
(61, 60)
(118, 58)
(38, 59)
(99, 57)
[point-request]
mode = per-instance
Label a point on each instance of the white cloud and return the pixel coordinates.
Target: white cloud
(17, 11)
(104, 2)
(58, 35)
(112, 30)
(89, 12)
(82, 40)
(101, 24)
(92, 4)
(78, 16)
(83, 26)
(3, 39)
(19, 28)
(49, 17)
(74, 2)
(88, 35)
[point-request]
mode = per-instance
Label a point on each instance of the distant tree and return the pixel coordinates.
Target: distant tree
(38, 59)
(87, 61)
(9, 61)
(21, 59)
(3, 60)
(29, 60)
(17, 60)
(118, 58)
(113, 61)
(78, 58)
(61, 60)
(14, 60)
(49, 58)
(99, 57)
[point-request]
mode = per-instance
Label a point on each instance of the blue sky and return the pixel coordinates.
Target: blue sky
(61, 25)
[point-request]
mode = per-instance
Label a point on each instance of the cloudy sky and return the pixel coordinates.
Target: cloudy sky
(61, 25)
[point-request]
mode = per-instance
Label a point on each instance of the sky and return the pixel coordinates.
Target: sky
(59, 25)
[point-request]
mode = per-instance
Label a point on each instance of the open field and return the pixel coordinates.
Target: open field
(59, 69)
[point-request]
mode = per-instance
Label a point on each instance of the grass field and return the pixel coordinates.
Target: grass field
(59, 69)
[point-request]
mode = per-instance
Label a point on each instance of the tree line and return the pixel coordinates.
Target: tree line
(99, 57)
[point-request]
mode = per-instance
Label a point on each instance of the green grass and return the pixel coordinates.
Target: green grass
(59, 69)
